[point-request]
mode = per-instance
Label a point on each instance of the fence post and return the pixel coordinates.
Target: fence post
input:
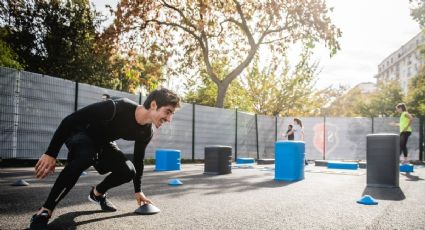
(421, 138)
(140, 98)
(256, 135)
(16, 98)
(275, 128)
(324, 137)
(236, 134)
(76, 97)
(373, 126)
(193, 132)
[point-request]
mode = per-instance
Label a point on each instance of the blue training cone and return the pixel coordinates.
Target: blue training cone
(174, 182)
(367, 200)
(20, 183)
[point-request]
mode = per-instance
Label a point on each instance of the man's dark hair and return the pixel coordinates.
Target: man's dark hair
(107, 96)
(163, 97)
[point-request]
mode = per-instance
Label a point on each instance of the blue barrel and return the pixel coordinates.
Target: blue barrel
(167, 159)
(289, 160)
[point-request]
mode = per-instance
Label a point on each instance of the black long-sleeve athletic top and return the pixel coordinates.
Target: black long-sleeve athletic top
(105, 122)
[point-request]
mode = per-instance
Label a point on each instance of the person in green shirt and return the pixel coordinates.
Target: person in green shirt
(405, 129)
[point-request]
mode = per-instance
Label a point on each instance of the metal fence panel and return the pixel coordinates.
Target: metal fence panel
(44, 102)
(247, 143)
(33, 105)
(346, 138)
(213, 126)
(174, 135)
(8, 115)
(266, 136)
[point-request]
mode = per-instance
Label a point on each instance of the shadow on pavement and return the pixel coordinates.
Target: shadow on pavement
(395, 194)
(68, 219)
(410, 177)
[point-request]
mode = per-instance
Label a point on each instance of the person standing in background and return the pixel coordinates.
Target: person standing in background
(405, 129)
(289, 134)
(105, 97)
(298, 132)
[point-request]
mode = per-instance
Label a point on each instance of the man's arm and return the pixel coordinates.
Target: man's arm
(139, 156)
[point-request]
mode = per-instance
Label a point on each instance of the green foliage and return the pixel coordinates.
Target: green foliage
(346, 105)
(205, 91)
(63, 38)
(356, 103)
(418, 11)
(383, 102)
(53, 37)
(416, 95)
(8, 58)
(284, 91)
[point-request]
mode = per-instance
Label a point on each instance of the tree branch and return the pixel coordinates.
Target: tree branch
(180, 12)
(272, 41)
(243, 24)
(173, 24)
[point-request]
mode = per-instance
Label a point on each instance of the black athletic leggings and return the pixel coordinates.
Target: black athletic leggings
(82, 154)
(404, 136)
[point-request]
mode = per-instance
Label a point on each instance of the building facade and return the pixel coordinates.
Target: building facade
(403, 64)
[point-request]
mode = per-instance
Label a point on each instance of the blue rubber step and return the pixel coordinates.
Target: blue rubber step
(406, 168)
(245, 160)
(343, 165)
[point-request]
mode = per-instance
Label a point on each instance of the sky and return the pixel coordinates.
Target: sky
(371, 31)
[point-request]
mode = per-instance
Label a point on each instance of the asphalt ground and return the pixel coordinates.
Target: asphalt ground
(248, 198)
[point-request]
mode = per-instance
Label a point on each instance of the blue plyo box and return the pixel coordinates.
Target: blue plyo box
(245, 160)
(289, 160)
(342, 165)
(167, 159)
(406, 168)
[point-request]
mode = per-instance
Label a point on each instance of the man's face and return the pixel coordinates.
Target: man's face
(161, 115)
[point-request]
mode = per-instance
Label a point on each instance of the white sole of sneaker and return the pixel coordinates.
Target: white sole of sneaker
(93, 201)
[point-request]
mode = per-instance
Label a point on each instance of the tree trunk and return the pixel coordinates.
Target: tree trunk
(221, 93)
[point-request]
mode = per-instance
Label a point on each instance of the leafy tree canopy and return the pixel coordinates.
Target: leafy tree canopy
(200, 33)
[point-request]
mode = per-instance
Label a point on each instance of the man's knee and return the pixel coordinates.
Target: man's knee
(129, 172)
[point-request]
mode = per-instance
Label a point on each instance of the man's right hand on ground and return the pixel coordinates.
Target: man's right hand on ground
(45, 165)
(141, 198)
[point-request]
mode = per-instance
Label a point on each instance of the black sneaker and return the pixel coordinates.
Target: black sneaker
(104, 203)
(39, 221)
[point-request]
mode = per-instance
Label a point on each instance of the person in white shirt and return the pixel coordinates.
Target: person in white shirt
(298, 132)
